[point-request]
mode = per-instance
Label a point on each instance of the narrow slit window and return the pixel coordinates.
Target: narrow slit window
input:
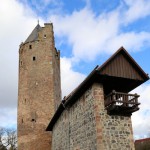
(33, 117)
(30, 46)
(34, 58)
(44, 35)
(22, 120)
(20, 63)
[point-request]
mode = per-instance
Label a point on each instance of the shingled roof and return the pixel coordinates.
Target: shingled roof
(34, 34)
(119, 81)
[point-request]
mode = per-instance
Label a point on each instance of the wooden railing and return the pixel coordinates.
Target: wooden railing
(121, 102)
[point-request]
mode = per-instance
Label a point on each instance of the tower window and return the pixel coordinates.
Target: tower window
(30, 46)
(33, 117)
(22, 120)
(33, 120)
(20, 63)
(34, 58)
(44, 35)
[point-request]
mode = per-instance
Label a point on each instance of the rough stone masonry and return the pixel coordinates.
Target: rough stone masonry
(39, 90)
(87, 126)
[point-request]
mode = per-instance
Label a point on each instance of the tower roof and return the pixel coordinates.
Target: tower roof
(34, 34)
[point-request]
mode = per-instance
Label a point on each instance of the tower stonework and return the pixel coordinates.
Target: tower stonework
(39, 91)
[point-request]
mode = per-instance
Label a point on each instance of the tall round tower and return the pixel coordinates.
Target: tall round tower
(39, 91)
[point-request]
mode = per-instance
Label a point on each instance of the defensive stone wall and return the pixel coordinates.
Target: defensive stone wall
(113, 132)
(86, 126)
(76, 128)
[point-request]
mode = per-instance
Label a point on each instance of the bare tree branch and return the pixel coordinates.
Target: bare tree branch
(8, 139)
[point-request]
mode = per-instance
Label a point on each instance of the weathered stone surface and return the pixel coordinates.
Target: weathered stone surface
(116, 130)
(87, 126)
(76, 128)
(39, 90)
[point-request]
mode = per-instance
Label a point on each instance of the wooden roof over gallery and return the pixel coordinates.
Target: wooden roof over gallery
(121, 64)
(120, 73)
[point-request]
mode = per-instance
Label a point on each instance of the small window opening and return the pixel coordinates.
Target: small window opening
(44, 35)
(21, 63)
(22, 120)
(33, 117)
(25, 100)
(30, 46)
(34, 58)
(33, 120)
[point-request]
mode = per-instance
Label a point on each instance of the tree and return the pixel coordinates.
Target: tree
(2, 131)
(8, 139)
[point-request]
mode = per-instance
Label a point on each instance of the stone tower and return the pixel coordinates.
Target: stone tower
(39, 91)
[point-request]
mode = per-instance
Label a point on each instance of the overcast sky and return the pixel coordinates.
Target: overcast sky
(87, 33)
